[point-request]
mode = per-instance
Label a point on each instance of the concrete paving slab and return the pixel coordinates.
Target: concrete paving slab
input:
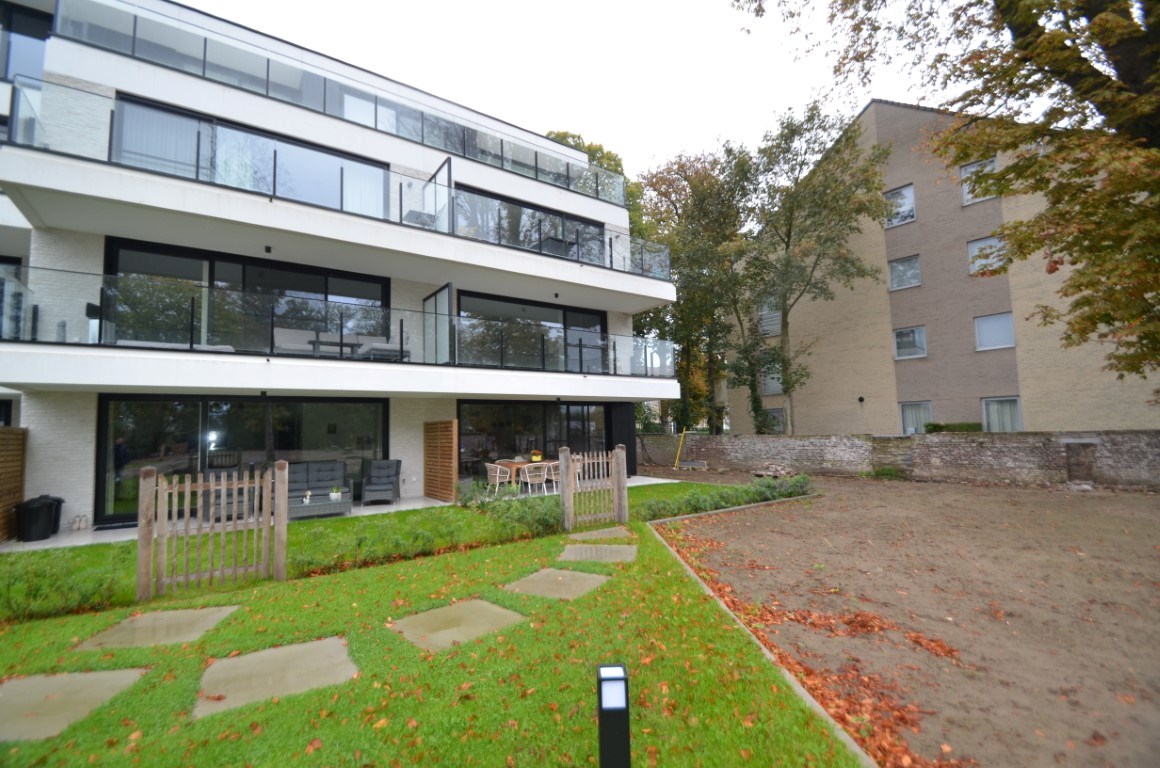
(615, 532)
(42, 706)
(230, 683)
(442, 628)
(159, 628)
(552, 582)
(601, 553)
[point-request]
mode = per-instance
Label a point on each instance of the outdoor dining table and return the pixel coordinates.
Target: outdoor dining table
(516, 466)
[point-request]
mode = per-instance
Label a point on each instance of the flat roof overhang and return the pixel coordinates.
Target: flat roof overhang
(80, 368)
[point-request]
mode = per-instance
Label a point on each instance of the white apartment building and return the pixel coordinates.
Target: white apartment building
(218, 248)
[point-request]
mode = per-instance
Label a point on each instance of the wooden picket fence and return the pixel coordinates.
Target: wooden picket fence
(238, 531)
(594, 487)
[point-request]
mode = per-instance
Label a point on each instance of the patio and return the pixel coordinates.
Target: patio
(69, 538)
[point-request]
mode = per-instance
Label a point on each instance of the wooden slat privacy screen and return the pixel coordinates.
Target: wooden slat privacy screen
(440, 459)
(12, 442)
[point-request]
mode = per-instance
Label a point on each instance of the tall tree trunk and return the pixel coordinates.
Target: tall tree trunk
(787, 386)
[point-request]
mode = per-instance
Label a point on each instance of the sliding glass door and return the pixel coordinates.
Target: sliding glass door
(186, 435)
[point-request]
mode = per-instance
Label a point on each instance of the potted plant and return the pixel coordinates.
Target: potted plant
(335, 493)
(537, 456)
(306, 497)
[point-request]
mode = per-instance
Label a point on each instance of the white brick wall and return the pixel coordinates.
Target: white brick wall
(60, 458)
(406, 438)
(67, 276)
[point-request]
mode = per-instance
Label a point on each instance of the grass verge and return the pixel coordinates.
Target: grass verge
(701, 692)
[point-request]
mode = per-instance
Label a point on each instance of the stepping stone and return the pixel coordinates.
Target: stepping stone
(601, 553)
(551, 582)
(443, 628)
(230, 683)
(160, 628)
(615, 532)
(41, 706)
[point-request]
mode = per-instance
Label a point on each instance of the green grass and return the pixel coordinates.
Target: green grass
(701, 691)
(53, 582)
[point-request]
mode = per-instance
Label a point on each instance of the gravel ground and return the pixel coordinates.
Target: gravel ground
(942, 623)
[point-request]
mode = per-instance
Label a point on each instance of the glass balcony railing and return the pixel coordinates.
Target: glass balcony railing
(116, 26)
(181, 316)
(64, 119)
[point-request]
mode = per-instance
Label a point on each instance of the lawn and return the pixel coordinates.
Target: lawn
(702, 693)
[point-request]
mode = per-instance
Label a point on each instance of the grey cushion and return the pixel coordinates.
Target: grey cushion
(323, 475)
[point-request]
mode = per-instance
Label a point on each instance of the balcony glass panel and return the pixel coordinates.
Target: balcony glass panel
(364, 189)
(168, 45)
(100, 25)
(553, 170)
(611, 185)
(297, 86)
(155, 140)
(400, 120)
(237, 159)
(442, 134)
(350, 104)
(519, 158)
(25, 56)
(485, 147)
(585, 243)
(477, 216)
(583, 179)
(235, 66)
(308, 175)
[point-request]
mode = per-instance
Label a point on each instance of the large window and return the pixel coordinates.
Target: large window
(965, 173)
(180, 435)
(902, 200)
(505, 430)
(910, 342)
(494, 331)
(196, 147)
(915, 417)
(769, 318)
(984, 254)
(994, 331)
(905, 273)
(1002, 414)
(181, 296)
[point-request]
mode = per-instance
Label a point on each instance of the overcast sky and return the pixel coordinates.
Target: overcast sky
(648, 79)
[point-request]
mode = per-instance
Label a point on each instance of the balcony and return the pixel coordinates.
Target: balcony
(133, 134)
(122, 27)
(180, 316)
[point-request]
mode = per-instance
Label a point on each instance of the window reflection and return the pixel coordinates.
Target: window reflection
(190, 435)
(504, 430)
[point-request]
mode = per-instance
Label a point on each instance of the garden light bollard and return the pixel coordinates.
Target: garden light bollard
(612, 715)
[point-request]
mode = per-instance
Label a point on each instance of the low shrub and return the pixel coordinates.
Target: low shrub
(889, 473)
(724, 497)
(954, 426)
(58, 582)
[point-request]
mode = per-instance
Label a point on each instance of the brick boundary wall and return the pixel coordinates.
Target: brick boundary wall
(12, 448)
(1120, 459)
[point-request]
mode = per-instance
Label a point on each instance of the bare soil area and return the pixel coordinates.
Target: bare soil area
(951, 624)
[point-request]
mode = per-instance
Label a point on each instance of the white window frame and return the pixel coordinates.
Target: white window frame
(917, 270)
(904, 208)
(987, 426)
(771, 384)
(965, 173)
(992, 260)
(920, 335)
(769, 318)
(979, 347)
(779, 415)
(921, 427)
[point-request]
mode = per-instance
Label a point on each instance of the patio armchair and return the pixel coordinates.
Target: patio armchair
(498, 475)
(535, 474)
(381, 480)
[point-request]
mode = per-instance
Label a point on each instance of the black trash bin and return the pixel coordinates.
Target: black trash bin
(56, 502)
(34, 519)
